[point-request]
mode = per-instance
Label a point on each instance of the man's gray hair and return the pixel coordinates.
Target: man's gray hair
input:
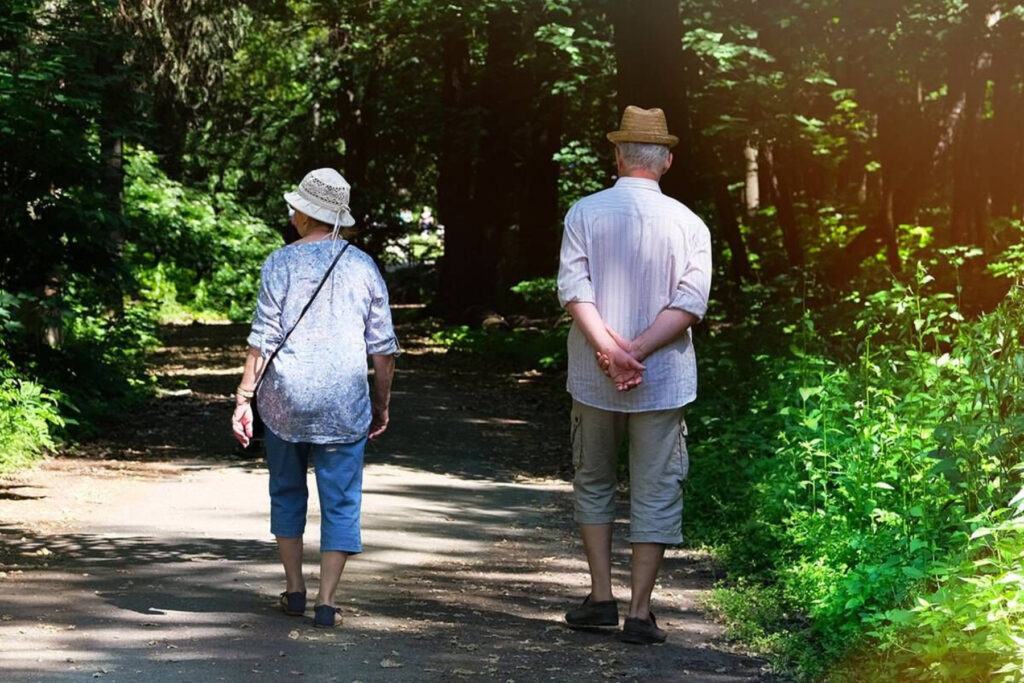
(639, 155)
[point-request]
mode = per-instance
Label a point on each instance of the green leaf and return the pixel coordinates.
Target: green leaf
(1018, 500)
(913, 572)
(807, 392)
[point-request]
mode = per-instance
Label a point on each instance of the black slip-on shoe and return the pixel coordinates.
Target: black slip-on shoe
(641, 631)
(293, 604)
(326, 616)
(593, 614)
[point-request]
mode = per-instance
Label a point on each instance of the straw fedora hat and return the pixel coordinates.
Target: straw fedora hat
(645, 126)
(323, 194)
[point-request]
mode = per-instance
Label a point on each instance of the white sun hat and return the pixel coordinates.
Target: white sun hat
(323, 194)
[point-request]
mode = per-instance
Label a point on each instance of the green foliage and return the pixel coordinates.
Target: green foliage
(1010, 263)
(584, 172)
(28, 412)
(538, 346)
(28, 416)
(300, 90)
(63, 99)
(757, 615)
(857, 449)
(522, 347)
(968, 625)
(192, 252)
(416, 248)
(540, 295)
(894, 449)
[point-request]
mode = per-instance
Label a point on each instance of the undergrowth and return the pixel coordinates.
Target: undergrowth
(858, 470)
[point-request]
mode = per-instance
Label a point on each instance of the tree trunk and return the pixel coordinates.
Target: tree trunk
(970, 62)
(114, 115)
(752, 189)
(538, 238)
(652, 73)
(730, 227)
(1006, 140)
(892, 153)
(897, 171)
(170, 119)
(539, 234)
(504, 102)
(782, 197)
(455, 184)
(361, 149)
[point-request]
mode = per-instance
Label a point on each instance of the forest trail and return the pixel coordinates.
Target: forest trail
(145, 555)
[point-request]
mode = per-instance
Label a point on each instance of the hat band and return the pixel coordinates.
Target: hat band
(320, 202)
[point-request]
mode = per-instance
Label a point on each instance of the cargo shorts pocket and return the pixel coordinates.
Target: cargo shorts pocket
(681, 457)
(576, 441)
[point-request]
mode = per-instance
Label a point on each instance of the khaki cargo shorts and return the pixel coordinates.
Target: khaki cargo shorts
(658, 464)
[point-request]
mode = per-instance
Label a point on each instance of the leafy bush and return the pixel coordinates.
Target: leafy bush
(540, 295)
(101, 365)
(192, 252)
(186, 253)
(969, 626)
(28, 412)
(858, 479)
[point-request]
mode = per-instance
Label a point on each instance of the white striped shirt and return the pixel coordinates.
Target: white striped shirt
(632, 252)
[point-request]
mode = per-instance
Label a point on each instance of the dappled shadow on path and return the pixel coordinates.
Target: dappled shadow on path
(9, 492)
(449, 413)
(81, 550)
(470, 561)
(486, 605)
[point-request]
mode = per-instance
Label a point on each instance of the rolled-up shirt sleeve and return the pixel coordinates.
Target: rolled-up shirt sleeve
(574, 282)
(266, 332)
(380, 332)
(694, 285)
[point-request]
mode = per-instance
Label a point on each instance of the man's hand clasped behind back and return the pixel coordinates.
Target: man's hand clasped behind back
(621, 363)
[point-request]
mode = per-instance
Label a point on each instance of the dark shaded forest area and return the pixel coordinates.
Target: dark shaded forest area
(860, 163)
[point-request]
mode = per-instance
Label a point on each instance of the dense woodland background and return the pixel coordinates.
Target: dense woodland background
(857, 445)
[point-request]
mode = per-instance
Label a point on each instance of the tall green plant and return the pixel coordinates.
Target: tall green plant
(883, 476)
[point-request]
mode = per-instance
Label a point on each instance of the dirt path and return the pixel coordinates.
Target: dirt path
(147, 556)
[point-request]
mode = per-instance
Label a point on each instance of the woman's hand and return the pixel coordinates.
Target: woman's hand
(379, 422)
(241, 423)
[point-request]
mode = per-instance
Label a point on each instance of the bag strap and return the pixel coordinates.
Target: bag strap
(266, 366)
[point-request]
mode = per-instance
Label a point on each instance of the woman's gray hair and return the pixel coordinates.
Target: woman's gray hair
(639, 155)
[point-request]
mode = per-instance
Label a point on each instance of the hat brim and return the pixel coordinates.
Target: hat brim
(618, 136)
(323, 215)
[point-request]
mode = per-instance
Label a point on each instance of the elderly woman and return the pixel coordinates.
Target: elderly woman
(322, 309)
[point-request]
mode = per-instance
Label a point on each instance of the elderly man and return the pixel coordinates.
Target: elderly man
(635, 271)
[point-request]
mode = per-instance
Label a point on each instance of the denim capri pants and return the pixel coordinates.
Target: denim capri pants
(339, 483)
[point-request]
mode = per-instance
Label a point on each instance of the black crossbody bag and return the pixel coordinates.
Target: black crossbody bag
(266, 366)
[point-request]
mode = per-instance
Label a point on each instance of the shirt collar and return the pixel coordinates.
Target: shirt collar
(638, 183)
